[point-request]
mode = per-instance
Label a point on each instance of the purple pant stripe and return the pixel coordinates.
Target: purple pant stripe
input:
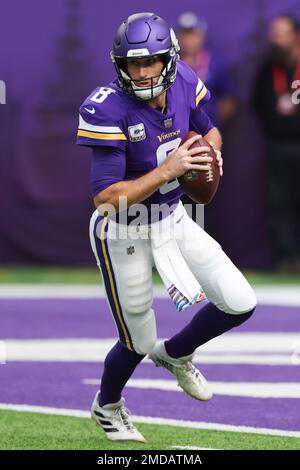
(108, 286)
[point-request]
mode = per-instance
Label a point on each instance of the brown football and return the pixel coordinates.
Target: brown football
(201, 186)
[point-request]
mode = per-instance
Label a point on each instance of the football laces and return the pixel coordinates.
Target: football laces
(209, 174)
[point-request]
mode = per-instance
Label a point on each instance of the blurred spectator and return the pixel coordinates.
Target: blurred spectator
(210, 68)
(280, 118)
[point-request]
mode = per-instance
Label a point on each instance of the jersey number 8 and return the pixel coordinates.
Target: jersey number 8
(161, 154)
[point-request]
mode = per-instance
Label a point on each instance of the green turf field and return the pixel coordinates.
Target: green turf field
(37, 431)
(90, 275)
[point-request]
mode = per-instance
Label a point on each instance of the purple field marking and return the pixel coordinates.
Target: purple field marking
(227, 373)
(213, 372)
(68, 318)
(60, 385)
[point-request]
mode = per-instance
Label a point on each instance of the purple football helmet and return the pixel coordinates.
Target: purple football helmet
(145, 35)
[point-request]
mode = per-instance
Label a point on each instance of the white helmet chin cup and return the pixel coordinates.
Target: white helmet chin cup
(147, 93)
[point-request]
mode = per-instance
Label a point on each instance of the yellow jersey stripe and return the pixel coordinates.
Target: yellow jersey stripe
(111, 281)
(201, 95)
(99, 136)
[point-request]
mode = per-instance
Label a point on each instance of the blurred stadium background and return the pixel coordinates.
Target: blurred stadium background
(55, 324)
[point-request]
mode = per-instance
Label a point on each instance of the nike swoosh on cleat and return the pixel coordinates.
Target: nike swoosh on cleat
(91, 111)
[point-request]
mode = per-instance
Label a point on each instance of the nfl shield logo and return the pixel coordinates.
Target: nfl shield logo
(168, 123)
(130, 250)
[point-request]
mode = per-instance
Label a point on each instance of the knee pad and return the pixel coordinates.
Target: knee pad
(238, 296)
(142, 329)
(137, 295)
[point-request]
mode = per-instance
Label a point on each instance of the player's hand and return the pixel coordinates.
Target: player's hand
(219, 158)
(182, 160)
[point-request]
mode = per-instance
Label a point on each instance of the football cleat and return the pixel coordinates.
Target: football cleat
(188, 376)
(115, 420)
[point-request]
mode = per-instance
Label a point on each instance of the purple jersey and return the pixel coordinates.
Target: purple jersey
(130, 138)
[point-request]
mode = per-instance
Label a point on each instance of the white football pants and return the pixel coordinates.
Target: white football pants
(126, 265)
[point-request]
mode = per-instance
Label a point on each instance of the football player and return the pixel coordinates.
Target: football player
(135, 126)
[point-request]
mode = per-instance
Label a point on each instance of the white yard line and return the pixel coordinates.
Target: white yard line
(60, 291)
(235, 348)
(153, 420)
(267, 295)
(234, 389)
(51, 291)
(286, 296)
(192, 448)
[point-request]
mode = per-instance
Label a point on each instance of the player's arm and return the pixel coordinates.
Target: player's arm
(109, 162)
(215, 139)
(108, 173)
(201, 123)
(135, 191)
